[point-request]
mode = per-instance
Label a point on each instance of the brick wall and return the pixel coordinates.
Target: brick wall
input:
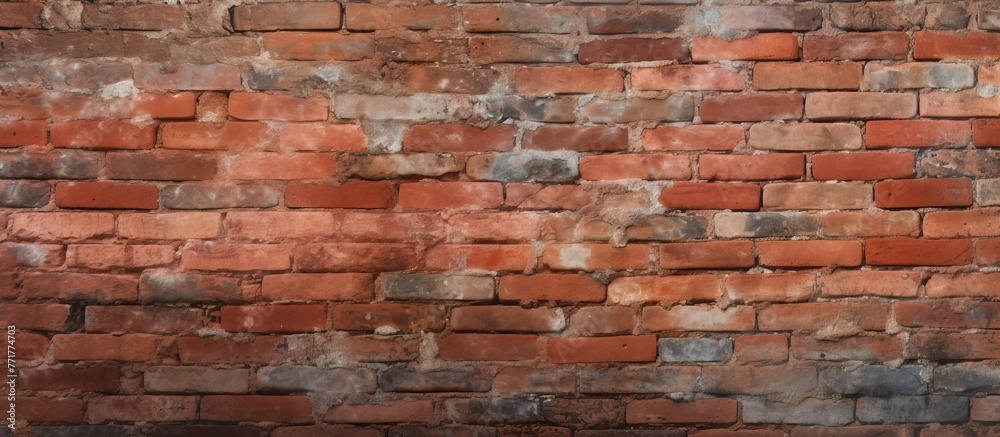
(592, 218)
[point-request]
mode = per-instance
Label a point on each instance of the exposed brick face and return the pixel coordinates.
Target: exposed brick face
(585, 218)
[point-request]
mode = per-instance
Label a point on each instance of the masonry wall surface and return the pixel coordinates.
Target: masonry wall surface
(586, 218)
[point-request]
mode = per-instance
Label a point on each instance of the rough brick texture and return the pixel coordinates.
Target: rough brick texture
(493, 218)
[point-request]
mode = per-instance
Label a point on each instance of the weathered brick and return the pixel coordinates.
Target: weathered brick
(534, 380)
(431, 286)
(913, 409)
(823, 316)
(693, 137)
(876, 16)
(552, 19)
(812, 75)
(274, 318)
(805, 136)
(24, 194)
(507, 319)
(870, 282)
(751, 167)
(134, 17)
(263, 106)
(676, 107)
(879, 77)
(807, 412)
(56, 165)
(856, 46)
(871, 223)
(366, 17)
(281, 409)
(637, 166)
(985, 132)
(292, 379)
(398, 411)
(676, 350)
(665, 289)
(707, 255)
(61, 226)
(957, 285)
(493, 410)
(567, 412)
(687, 77)
(877, 348)
(393, 166)
(169, 226)
(450, 80)
(698, 318)
(761, 47)
(524, 166)
(616, 20)
(287, 16)
(321, 138)
(758, 380)
(402, 380)
(205, 136)
(145, 319)
(17, 133)
(167, 287)
(918, 193)
(104, 134)
(559, 287)
(641, 380)
(162, 77)
(64, 377)
(206, 350)
(517, 49)
(141, 408)
(818, 195)
(355, 194)
(127, 347)
(961, 104)
(770, 287)
(576, 138)
(764, 348)
(190, 379)
(488, 347)
(279, 166)
(860, 106)
(875, 380)
(118, 256)
(213, 196)
(567, 80)
(448, 195)
(458, 138)
(165, 166)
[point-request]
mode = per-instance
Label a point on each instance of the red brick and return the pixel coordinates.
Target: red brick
(107, 195)
(947, 346)
(448, 195)
(751, 167)
(41, 317)
(161, 166)
(698, 318)
(762, 47)
(398, 411)
(141, 408)
(821, 316)
(518, 49)
(507, 319)
(807, 75)
(962, 104)
(364, 16)
(576, 138)
(487, 347)
(638, 348)
(354, 257)
(879, 347)
(546, 286)
(204, 350)
(25, 255)
(62, 225)
(859, 106)
(318, 46)
(362, 195)
(632, 50)
(591, 257)
(205, 136)
(65, 377)
(127, 347)
(707, 255)
(493, 257)
(166, 106)
(31, 346)
(953, 45)
(319, 286)
(281, 409)
(134, 17)
(263, 106)
(809, 253)
(988, 251)
(863, 166)
(274, 318)
(21, 15)
(687, 77)
(322, 138)
(287, 16)
(458, 138)
(567, 80)
(972, 223)
(588, 321)
(50, 410)
(871, 223)
(761, 348)
(401, 317)
(917, 252)
(495, 227)
(450, 79)
(280, 166)
(208, 77)
(666, 290)
(714, 410)
(693, 137)
(817, 195)
(917, 133)
(173, 226)
(945, 314)
(751, 107)
(16, 133)
(144, 319)
(693, 195)
(104, 134)
(213, 256)
(920, 193)
(283, 225)
(985, 409)
(986, 132)
(635, 166)
(368, 349)
(859, 283)
(794, 287)
(79, 286)
(856, 46)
